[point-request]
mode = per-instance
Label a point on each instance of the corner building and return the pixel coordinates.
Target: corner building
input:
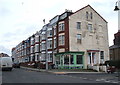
(82, 39)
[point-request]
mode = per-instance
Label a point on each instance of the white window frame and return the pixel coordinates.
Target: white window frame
(55, 43)
(62, 40)
(50, 56)
(90, 27)
(43, 46)
(49, 45)
(79, 38)
(61, 27)
(54, 30)
(49, 33)
(43, 36)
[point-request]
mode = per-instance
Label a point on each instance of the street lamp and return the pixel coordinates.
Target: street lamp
(116, 7)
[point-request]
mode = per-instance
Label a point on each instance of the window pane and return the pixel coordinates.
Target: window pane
(71, 59)
(78, 36)
(54, 31)
(54, 43)
(66, 59)
(61, 27)
(90, 27)
(86, 15)
(78, 25)
(61, 40)
(91, 15)
(102, 55)
(79, 59)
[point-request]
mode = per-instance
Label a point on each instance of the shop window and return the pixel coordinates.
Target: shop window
(101, 54)
(66, 59)
(79, 59)
(71, 59)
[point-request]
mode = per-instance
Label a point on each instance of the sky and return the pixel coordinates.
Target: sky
(19, 19)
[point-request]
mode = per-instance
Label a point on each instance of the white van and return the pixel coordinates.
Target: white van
(6, 63)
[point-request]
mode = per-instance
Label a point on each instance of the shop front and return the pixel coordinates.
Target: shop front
(70, 60)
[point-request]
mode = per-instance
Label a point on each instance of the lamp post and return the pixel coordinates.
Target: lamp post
(118, 9)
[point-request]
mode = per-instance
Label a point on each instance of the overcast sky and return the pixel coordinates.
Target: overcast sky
(19, 19)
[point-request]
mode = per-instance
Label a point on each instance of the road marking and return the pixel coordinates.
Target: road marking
(84, 78)
(114, 82)
(90, 79)
(102, 79)
(107, 81)
(70, 76)
(98, 80)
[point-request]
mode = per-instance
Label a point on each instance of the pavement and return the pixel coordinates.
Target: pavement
(58, 71)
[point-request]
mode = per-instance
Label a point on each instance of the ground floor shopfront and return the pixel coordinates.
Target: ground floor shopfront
(79, 60)
(70, 60)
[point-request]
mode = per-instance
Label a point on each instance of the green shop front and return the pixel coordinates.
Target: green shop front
(70, 60)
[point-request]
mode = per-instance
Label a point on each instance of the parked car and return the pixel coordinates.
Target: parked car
(16, 65)
(6, 63)
(111, 69)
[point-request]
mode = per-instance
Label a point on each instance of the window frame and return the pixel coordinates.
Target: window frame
(79, 38)
(61, 27)
(89, 27)
(49, 44)
(81, 57)
(55, 43)
(61, 40)
(91, 15)
(101, 54)
(78, 25)
(87, 15)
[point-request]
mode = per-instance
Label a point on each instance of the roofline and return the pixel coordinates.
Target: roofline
(91, 8)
